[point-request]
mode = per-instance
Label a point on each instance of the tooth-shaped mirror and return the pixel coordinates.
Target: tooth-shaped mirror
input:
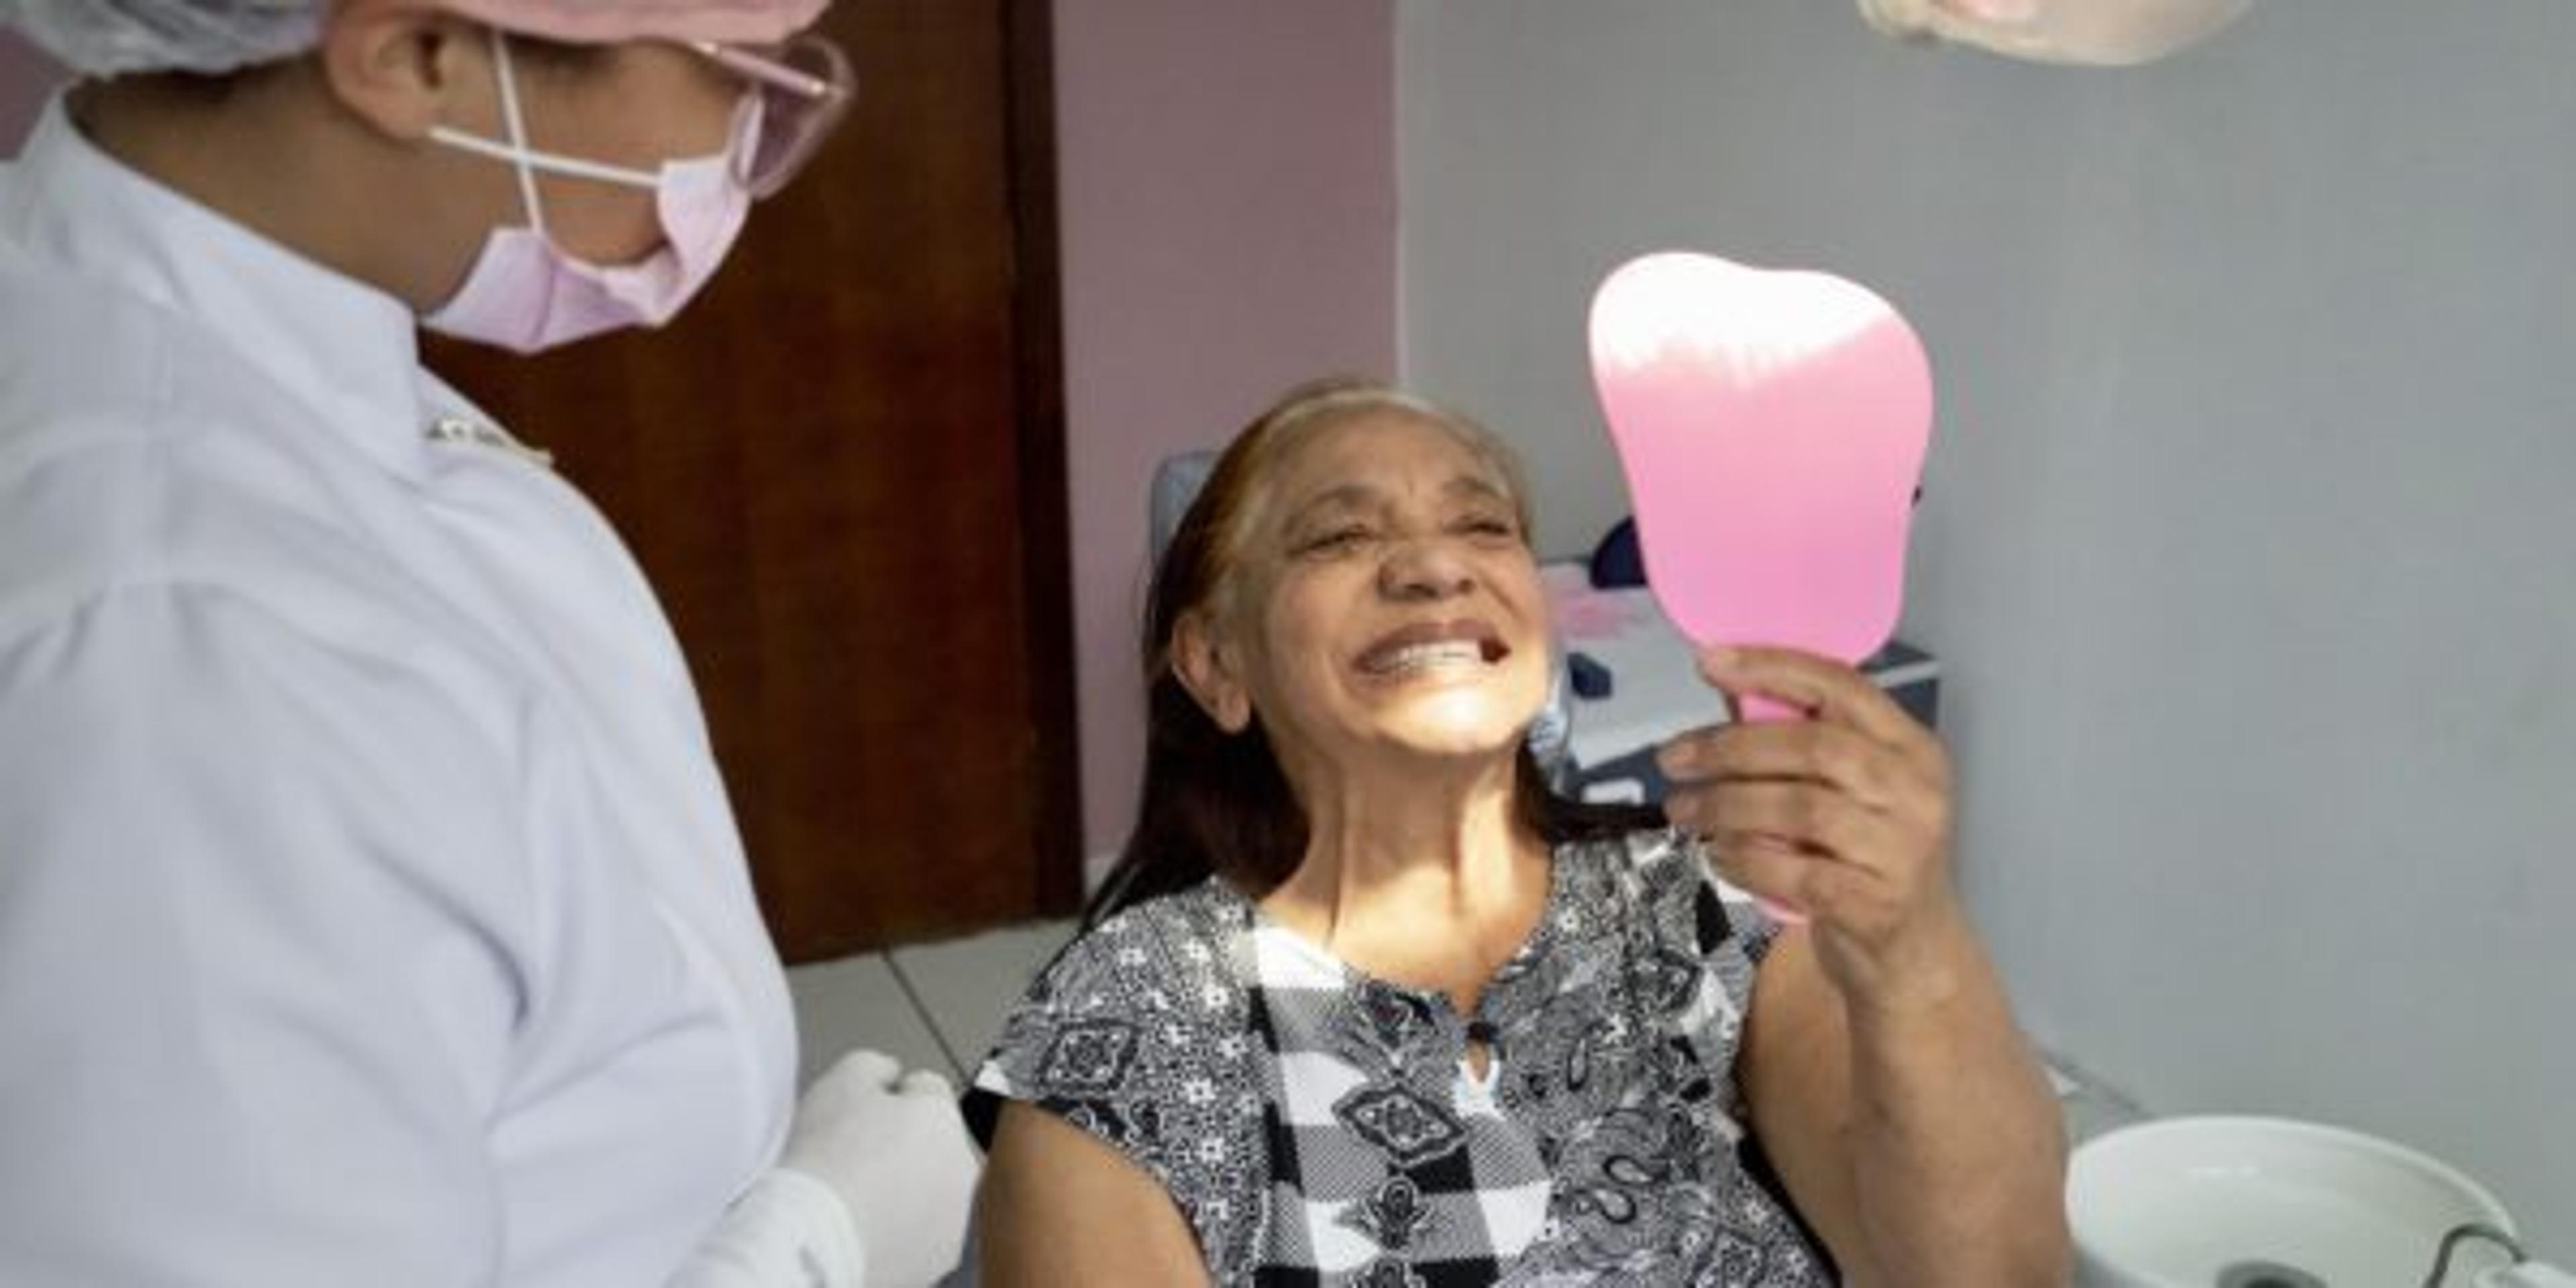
(1772, 427)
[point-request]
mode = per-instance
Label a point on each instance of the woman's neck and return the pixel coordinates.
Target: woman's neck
(1428, 879)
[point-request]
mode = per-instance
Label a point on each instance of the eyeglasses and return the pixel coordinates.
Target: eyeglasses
(805, 88)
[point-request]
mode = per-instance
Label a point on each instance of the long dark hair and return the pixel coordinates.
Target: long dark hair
(1217, 803)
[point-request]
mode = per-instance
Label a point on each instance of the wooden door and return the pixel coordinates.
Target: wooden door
(843, 470)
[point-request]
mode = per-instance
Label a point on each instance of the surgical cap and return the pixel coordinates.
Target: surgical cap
(106, 37)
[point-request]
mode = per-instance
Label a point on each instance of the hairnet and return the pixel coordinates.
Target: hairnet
(106, 37)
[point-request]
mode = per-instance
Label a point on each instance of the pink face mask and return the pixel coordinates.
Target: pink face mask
(525, 293)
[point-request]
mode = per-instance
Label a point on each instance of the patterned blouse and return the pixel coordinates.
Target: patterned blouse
(1316, 1125)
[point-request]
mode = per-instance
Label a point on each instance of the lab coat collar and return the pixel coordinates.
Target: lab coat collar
(346, 349)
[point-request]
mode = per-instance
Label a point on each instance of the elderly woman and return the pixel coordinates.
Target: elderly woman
(1365, 1003)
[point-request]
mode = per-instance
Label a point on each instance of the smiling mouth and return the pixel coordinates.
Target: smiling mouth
(1430, 655)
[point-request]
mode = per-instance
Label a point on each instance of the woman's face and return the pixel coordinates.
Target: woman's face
(1385, 600)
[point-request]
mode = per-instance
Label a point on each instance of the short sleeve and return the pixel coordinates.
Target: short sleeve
(255, 898)
(1142, 1034)
(1712, 935)
(1723, 915)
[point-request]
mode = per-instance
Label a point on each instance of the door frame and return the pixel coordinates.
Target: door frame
(1039, 404)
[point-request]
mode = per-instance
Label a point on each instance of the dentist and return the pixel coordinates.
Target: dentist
(370, 908)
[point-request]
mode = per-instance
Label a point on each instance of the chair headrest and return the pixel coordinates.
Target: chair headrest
(1177, 481)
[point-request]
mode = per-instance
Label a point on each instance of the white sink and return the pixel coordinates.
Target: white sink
(2265, 1203)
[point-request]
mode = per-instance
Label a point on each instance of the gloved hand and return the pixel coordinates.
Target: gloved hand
(891, 1145)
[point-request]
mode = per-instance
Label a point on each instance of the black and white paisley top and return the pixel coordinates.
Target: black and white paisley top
(1319, 1126)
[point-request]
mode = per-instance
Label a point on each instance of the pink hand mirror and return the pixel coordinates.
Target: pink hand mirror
(1772, 427)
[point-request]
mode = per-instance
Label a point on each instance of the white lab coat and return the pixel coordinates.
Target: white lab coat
(370, 910)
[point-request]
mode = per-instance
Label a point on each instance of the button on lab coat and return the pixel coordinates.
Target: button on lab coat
(370, 910)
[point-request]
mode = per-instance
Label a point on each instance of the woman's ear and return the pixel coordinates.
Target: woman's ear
(403, 67)
(1207, 666)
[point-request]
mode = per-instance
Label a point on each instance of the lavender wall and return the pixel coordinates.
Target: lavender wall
(26, 79)
(1228, 222)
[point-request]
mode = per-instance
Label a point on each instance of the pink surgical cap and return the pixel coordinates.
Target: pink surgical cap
(107, 37)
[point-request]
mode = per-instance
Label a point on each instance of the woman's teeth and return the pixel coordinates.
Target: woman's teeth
(1422, 657)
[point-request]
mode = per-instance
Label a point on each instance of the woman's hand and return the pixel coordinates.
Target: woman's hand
(1909, 1120)
(1844, 815)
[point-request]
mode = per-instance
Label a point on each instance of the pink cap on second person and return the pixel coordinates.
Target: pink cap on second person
(605, 22)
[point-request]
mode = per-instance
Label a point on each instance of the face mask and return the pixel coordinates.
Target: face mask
(525, 293)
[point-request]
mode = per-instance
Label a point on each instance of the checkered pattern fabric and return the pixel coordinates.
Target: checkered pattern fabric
(1320, 1126)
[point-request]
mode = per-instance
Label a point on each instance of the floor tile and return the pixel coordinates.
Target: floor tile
(968, 985)
(856, 1002)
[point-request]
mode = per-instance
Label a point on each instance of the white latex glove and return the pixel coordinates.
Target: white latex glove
(892, 1147)
(873, 1190)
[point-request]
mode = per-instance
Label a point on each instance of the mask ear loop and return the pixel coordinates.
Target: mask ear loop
(517, 125)
(525, 160)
